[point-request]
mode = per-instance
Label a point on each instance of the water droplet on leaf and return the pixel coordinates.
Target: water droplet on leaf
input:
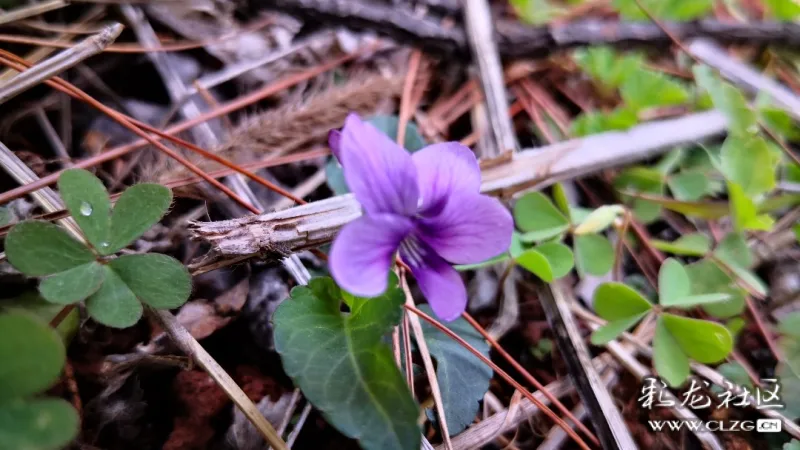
(86, 209)
(104, 244)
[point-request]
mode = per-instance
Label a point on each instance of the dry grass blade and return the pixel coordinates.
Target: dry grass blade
(419, 337)
(558, 421)
(59, 63)
(23, 12)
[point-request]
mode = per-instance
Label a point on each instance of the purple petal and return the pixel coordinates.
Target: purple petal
(438, 281)
(379, 172)
(363, 251)
(334, 142)
(443, 169)
(470, 228)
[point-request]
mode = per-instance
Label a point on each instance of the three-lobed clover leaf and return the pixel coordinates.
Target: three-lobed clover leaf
(342, 364)
(33, 356)
(620, 305)
(113, 288)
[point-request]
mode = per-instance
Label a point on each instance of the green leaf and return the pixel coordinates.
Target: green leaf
(535, 213)
(689, 186)
(794, 444)
(669, 162)
(560, 198)
(745, 214)
(138, 208)
(790, 324)
(776, 119)
(641, 180)
(644, 88)
(703, 210)
(543, 235)
(38, 248)
(730, 101)
(671, 364)
(32, 354)
(615, 301)
(750, 279)
(599, 219)
(87, 201)
(611, 330)
(734, 251)
(487, 263)
(5, 216)
(594, 122)
(602, 64)
(72, 285)
(334, 176)
(790, 390)
(537, 264)
(536, 12)
(344, 369)
(708, 278)
(693, 244)
(673, 283)
(594, 254)
(413, 139)
(157, 280)
(787, 10)
(735, 373)
(704, 341)
(30, 302)
(559, 256)
(517, 246)
(114, 305)
(749, 162)
(677, 10)
(463, 377)
(37, 424)
(735, 326)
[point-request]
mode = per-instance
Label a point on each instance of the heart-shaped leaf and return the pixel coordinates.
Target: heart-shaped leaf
(138, 208)
(31, 302)
(72, 285)
(689, 186)
(734, 251)
(671, 363)
(704, 341)
(114, 304)
(559, 256)
(708, 278)
(38, 248)
(744, 212)
(343, 367)
(749, 162)
(158, 280)
(673, 283)
(537, 264)
(87, 201)
(463, 377)
(534, 212)
(594, 254)
(599, 219)
(37, 424)
(693, 244)
(32, 354)
(611, 330)
(615, 301)
(730, 101)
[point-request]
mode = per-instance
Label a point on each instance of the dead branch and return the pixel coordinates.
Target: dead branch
(519, 41)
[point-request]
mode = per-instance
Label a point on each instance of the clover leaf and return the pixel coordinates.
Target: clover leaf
(622, 306)
(33, 357)
(113, 288)
(538, 219)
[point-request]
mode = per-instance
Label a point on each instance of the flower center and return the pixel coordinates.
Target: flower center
(412, 251)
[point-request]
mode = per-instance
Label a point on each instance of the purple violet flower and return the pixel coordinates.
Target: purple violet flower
(426, 205)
